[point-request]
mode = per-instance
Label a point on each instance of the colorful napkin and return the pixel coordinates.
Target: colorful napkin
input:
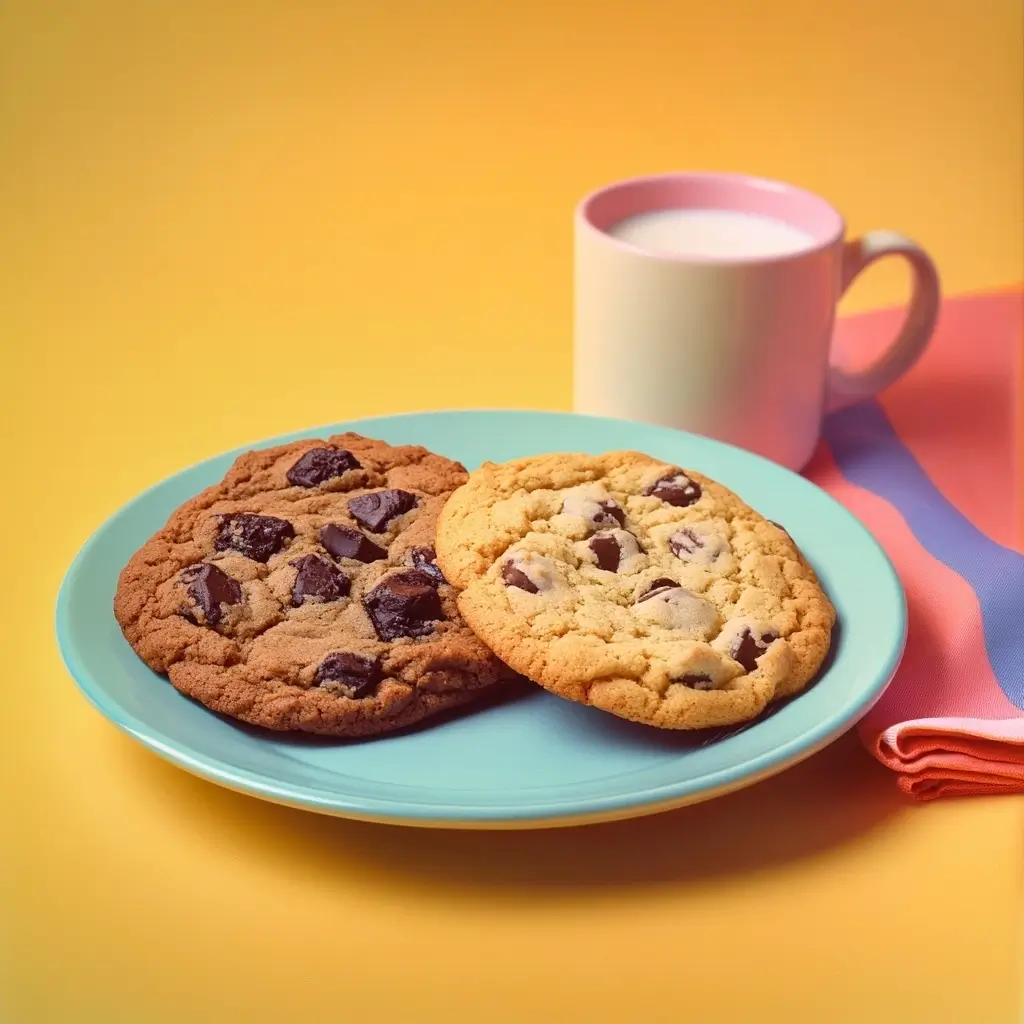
(930, 468)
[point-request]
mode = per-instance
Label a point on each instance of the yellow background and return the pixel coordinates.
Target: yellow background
(224, 221)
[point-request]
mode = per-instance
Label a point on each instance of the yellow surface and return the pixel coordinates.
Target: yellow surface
(220, 222)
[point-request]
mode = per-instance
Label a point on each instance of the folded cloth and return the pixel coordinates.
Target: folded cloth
(930, 468)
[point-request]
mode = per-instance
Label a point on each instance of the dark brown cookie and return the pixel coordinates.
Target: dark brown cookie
(301, 592)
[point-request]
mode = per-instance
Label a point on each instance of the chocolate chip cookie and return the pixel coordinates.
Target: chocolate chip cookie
(636, 586)
(302, 592)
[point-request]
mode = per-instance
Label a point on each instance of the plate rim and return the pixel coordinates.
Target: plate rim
(438, 814)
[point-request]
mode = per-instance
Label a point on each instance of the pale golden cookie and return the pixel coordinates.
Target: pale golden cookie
(630, 584)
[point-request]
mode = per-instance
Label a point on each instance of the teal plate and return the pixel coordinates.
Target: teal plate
(533, 760)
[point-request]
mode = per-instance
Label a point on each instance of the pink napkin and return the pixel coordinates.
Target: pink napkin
(930, 469)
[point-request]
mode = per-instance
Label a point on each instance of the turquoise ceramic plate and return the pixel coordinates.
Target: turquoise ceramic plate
(535, 760)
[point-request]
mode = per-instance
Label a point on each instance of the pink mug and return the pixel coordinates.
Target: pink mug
(707, 302)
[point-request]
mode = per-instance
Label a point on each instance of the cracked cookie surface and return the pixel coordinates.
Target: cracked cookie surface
(302, 593)
(633, 585)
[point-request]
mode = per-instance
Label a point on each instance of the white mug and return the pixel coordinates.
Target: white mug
(707, 302)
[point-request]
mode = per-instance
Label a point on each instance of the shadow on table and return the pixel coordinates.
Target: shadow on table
(824, 802)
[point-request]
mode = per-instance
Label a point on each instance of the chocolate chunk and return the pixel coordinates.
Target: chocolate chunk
(211, 587)
(659, 586)
(676, 489)
(321, 464)
(696, 681)
(703, 548)
(607, 551)
(404, 604)
(678, 609)
(353, 675)
(423, 558)
(345, 542)
(515, 577)
(317, 580)
(417, 576)
(609, 515)
(685, 542)
(376, 510)
(592, 503)
(256, 537)
(746, 648)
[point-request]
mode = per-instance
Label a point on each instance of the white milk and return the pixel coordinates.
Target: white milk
(712, 233)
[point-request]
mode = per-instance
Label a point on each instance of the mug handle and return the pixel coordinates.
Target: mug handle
(845, 388)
